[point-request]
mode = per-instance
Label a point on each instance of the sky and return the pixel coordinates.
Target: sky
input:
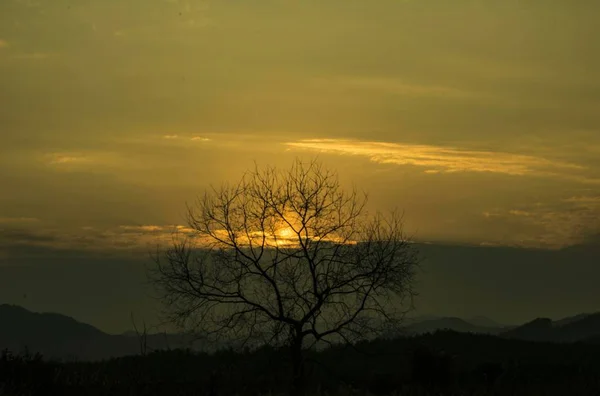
(480, 119)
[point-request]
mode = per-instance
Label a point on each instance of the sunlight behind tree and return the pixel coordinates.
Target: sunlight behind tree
(287, 258)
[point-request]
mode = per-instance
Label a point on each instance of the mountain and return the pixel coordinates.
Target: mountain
(450, 323)
(583, 327)
(61, 337)
(570, 319)
(17, 321)
(540, 329)
(49, 333)
(586, 327)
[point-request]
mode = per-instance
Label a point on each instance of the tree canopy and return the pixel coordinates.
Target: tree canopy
(286, 257)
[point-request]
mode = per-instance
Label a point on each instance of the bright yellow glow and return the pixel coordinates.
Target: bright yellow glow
(286, 233)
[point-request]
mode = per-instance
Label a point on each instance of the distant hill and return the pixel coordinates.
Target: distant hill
(62, 337)
(583, 327)
(578, 330)
(52, 334)
(17, 321)
(570, 319)
(451, 323)
(540, 329)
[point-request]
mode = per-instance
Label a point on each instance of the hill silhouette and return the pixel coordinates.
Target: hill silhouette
(52, 334)
(570, 319)
(453, 323)
(583, 327)
(58, 336)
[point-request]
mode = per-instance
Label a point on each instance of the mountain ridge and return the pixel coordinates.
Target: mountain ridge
(58, 336)
(577, 328)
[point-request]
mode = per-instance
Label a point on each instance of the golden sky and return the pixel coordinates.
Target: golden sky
(481, 119)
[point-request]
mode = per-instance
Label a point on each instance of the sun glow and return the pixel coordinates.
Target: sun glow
(286, 233)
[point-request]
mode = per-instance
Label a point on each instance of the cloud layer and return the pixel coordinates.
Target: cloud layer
(117, 113)
(435, 159)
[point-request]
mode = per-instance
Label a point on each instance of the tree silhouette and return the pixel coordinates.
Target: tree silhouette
(287, 258)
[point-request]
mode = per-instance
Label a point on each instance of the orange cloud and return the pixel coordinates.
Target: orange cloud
(439, 159)
(200, 138)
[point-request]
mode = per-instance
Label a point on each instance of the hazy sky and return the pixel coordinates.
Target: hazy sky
(481, 119)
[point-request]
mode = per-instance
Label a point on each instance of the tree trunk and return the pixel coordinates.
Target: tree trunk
(298, 380)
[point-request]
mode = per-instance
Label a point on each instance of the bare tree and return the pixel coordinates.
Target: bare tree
(287, 258)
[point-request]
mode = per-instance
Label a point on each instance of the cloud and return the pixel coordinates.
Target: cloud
(592, 240)
(524, 213)
(440, 159)
(192, 138)
(12, 236)
(67, 159)
(586, 201)
(91, 239)
(109, 161)
(556, 224)
(122, 239)
(398, 86)
(144, 228)
(200, 139)
(17, 220)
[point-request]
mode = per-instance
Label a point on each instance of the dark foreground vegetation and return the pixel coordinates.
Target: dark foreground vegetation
(444, 363)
